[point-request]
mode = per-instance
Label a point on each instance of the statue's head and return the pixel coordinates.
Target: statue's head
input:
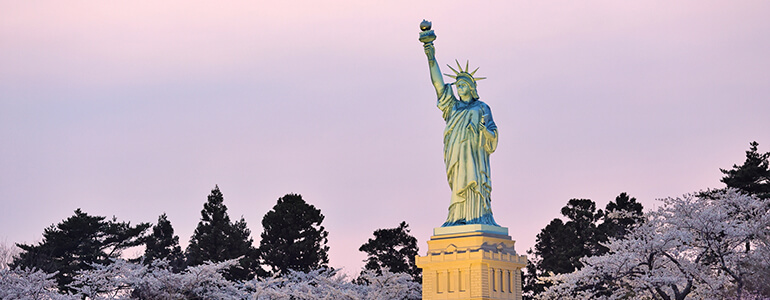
(465, 80)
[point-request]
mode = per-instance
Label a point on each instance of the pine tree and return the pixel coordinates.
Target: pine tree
(753, 177)
(582, 221)
(560, 245)
(77, 243)
(556, 250)
(620, 216)
(293, 238)
(216, 239)
(393, 248)
(163, 244)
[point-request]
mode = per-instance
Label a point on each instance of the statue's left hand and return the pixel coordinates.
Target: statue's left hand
(487, 134)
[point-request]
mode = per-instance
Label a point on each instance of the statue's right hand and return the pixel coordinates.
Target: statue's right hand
(430, 51)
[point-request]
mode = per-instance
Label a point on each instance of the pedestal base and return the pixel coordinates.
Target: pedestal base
(471, 263)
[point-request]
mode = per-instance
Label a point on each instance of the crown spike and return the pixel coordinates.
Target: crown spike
(453, 69)
(479, 78)
(459, 66)
(474, 71)
(467, 62)
(453, 76)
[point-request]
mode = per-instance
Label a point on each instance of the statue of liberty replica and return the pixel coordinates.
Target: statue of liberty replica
(470, 256)
(470, 136)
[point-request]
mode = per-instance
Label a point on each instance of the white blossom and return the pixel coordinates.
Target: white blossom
(123, 280)
(332, 284)
(29, 284)
(7, 254)
(701, 247)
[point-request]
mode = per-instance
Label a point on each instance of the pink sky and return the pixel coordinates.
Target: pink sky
(136, 108)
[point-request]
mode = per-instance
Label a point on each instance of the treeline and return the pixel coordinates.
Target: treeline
(293, 240)
(714, 244)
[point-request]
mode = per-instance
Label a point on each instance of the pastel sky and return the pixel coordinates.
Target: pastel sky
(136, 108)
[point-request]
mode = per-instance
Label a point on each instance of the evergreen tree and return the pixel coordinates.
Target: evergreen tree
(620, 216)
(560, 246)
(753, 177)
(582, 215)
(217, 239)
(530, 283)
(392, 248)
(78, 242)
(293, 238)
(163, 244)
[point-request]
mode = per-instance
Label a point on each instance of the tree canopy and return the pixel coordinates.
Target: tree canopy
(217, 239)
(620, 216)
(753, 176)
(560, 246)
(293, 237)
(694, 246)
(394, 249)
(163, 244)
(77, 243)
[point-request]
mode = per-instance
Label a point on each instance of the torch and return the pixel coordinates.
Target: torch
(426, 36)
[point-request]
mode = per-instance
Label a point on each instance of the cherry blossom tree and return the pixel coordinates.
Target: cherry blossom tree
(25, 283)
(694, 246)
(122, 279)
(332, 284)
(7, 254)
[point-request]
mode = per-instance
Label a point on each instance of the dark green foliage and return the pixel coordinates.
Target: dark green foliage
(529, 283)
(753, 177)
(560, 246)
(582, 215)
(217, 239)
(293, 238)
(78, 242)
(620, 216)
(393, 248)
(163, 244)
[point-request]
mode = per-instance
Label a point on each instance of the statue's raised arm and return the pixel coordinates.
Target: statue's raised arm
(427, 37)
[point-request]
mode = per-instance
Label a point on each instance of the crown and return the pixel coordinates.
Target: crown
(464, 73)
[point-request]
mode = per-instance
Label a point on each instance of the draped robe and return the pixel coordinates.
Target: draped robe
(466, 156)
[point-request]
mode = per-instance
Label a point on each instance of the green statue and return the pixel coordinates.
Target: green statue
(470, 136)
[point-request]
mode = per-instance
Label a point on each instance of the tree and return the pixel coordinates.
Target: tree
(753, 177)
(77, 243)
(583, 218)
(394, 249)
(557, 247)
(691, 246)
(560, 246)
(7, 254)
(217, 239)
(163, 244)
(621, 216)
(23, 283)
(126, 280)
(293, 238)
(123, 279)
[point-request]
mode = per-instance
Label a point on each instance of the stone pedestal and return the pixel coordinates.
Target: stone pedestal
(471, 262)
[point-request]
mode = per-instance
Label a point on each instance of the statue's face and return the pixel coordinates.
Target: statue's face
(464, 90)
